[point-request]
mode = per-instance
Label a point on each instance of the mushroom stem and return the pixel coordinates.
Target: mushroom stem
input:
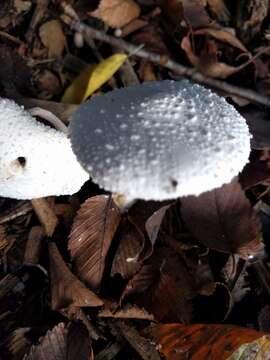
(124, 203)
(50, 117)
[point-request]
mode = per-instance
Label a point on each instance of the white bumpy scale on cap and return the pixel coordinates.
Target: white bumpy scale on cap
(35, 160)
(160, 140)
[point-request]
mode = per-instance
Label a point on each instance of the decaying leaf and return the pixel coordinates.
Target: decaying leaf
(90, 238)
(12, 63)
(145, 348)
(117, 13)
(254, 173)
(63, 342)
(92, 78)
(78, 343)
(154, 222)
(52, 346)
(264, 319)
(66, 289)
(210, 341)
(249, 18)
(141, 210)
(219, 8)
(52, 36)
(127, 312)
(131, 240)
(46, 215)
(224, 220)
(223, 35)
(152, 38)
(208, 63)
(165, 287)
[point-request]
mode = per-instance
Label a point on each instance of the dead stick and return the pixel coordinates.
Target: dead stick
(166, 62)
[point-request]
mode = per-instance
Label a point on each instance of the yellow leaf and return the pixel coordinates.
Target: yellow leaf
(92, 78)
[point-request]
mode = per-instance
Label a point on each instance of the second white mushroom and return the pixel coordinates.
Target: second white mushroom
(35, 160)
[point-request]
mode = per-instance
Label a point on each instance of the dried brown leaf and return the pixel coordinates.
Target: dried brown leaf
(154, 222)
(152, 38)
(33, 245)
(52, 346)
(46, 215)
(141, 210)
(165, 287)
(63, 343)
(145, 348)
(207, 63)
(249, 18)
(223, 35)
(130, 244)
(138, 215)
(127, 312)
(259, 125)
(66, 289)
(90, 238)
(117, 13)
(12, 63)
(209, 341)
(254, 173)
(224, 220)
(52, 36)
(195, 13)
(264, 318)
(219, 8)
(78, 343)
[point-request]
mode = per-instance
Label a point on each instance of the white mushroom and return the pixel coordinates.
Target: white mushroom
(35, 160)
(160, 140)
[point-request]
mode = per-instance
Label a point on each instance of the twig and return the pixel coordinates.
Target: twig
(20, 210)
(50, 117)
(166, 62)
(142, 345)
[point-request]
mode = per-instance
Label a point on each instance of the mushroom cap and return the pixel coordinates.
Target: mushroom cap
(160, 140)
(35, 160)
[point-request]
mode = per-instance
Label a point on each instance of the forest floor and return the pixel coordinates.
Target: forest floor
(182, 279)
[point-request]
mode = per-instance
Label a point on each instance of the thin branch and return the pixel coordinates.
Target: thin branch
(166, 62)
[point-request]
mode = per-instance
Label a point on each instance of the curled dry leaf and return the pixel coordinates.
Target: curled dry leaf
(211, 342)
(116, 13)
(141, 210)
(138, 214)
(207, 63)
(224, 220)
(165, 287)
(91, 235)
(66, 289)
(223, 35)
(131, 240)
(52, 36)
(63, 343)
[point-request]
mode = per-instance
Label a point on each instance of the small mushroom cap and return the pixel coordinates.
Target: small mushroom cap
(160, 140)
(35, 160)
